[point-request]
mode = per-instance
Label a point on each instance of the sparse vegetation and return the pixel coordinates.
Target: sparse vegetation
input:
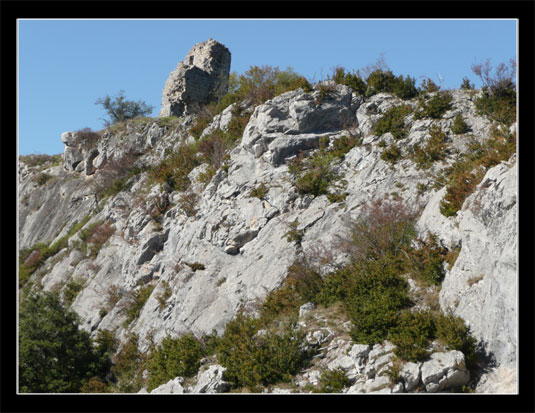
(137, 300)
(391, 154)
(498, 101)
(435, 149)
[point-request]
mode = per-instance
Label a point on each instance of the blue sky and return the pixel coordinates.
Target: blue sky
(64, 66)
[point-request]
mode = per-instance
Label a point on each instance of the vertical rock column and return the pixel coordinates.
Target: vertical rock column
(200, 79)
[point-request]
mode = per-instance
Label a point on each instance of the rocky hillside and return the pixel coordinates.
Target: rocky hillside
(157, 229)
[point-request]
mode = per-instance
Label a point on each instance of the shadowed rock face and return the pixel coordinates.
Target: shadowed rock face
(198, 80)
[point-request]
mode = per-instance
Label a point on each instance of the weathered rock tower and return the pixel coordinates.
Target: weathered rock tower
(198, 80)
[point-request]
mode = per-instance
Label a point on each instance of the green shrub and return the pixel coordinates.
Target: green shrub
(294, 235)
(304, 280)
(455, 334)
(352, 80)
(412, 335)
(426, 261)
(41, 160)
(380, 81)
(428, 86)
(260, 191)
(71, 291)
(376, 296)
(405, 88)
(459, 125)
(165, 294)
(435, 107)
(333, 381)
(434, 150)
(174, 357)
(282, 302)
(393, 121)
(466, 84)
(175, 168)
(462, 186)
(252, 360)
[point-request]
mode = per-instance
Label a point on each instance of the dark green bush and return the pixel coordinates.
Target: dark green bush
(435, 107)
(174, 357)
(333, 381)
(412, 335)
(252, 360)
(294, 235)
(260, 191)
(174, 169)
(393, 121)
(455, 334)
(376, 296)
(466, 84)
(353, 80)
(380, 81)
(405, 88)
(460, 188)
(459, 125)
(55, 355)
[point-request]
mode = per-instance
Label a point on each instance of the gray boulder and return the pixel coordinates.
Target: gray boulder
(173, 386)
(444, 371)
(211, 381)
(198, 80)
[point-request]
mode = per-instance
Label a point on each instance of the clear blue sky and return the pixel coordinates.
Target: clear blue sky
(64, 66)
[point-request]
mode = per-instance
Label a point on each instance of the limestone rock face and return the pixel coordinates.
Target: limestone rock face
(483, 279)
(200, 268)
(295, 121)
(196, 81)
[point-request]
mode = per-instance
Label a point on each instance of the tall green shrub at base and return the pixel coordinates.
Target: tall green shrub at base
(376, 296)
(252, 359)
(174, 357)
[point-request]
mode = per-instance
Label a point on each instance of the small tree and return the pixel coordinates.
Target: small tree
(119, 109)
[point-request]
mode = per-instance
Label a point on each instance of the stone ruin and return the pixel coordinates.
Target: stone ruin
(200, 79)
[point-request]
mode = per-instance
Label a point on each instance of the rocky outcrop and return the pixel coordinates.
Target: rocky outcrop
(199, 79)
(234, 249)
(295, 121)
(483, 279)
